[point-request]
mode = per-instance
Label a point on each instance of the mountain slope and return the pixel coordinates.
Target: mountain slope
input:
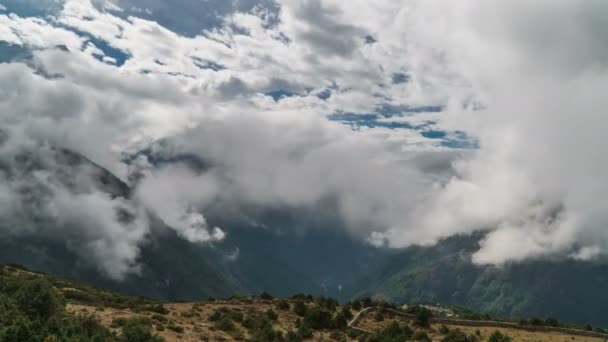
(567, 289)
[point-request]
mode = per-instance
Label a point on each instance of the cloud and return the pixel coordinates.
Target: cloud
(240, 99)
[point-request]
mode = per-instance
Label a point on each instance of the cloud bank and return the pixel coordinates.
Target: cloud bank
(418, 120)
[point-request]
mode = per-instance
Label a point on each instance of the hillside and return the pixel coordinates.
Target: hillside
(567, 289)
(31, 305)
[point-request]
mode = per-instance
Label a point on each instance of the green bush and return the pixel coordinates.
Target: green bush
(224, 324)
(158, 308)
(266, 296)
(139, 333)
(423, 316)
(283, 305)
(345, 310)
(38, 300)
(421, 336)
(497, 336)
(458, 336)
(271, 315)
(318, 318)
(394, 332)
(300, 308)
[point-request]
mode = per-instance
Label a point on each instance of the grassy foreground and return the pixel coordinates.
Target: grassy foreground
(43, 307)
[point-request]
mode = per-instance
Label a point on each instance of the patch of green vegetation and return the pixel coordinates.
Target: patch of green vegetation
(283, 305)
(497, 336)
(31, 309)
(300, 308)
(458, 336)
(394, 332)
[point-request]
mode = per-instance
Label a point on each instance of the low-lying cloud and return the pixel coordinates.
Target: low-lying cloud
(524, 80)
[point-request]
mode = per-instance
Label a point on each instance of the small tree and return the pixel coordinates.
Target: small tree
(423, 317)
(38, 299)
(318, 318)
(345, 310)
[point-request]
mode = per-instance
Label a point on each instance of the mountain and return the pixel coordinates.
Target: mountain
(573, 291)
(250, 260)
(293, 251)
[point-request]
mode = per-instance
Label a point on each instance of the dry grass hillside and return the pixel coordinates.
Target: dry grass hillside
(264, 318)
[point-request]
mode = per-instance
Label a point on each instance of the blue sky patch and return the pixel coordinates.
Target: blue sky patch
(32, 8)
(399, 77)
(12, 52)
(356, 121)
(279, 94)
(207, 65)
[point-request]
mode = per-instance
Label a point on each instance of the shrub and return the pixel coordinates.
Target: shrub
(271, 315)
(443, 330)
(552, 322)
(339, 321)
(38, 299)
(300, 308)
(266, 296)
(318, 318)
(421, 336)
(497, 336)
(224, 324)
(356, 305)
(423, 316)
(393, 332)
(304, 330)
(378, 316)
(159, 318)
(139, 333)
(458, 336)
(336, 336)
(283, 305)
(345, 310)
(293, 336)
(176, 328)
(158, 308)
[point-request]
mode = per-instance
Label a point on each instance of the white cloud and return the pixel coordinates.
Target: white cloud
(525, 80)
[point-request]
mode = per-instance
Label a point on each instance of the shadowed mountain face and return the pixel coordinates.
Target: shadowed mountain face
(569, 290)
(250, 260)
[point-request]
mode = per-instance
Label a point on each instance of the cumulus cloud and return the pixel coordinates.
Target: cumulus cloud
(244, 103)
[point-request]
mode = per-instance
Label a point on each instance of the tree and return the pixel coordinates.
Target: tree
(38, 299)
(345, 310)
(423, 317)
(318, 318)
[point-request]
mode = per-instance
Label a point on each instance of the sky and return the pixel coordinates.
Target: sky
(417, 119)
